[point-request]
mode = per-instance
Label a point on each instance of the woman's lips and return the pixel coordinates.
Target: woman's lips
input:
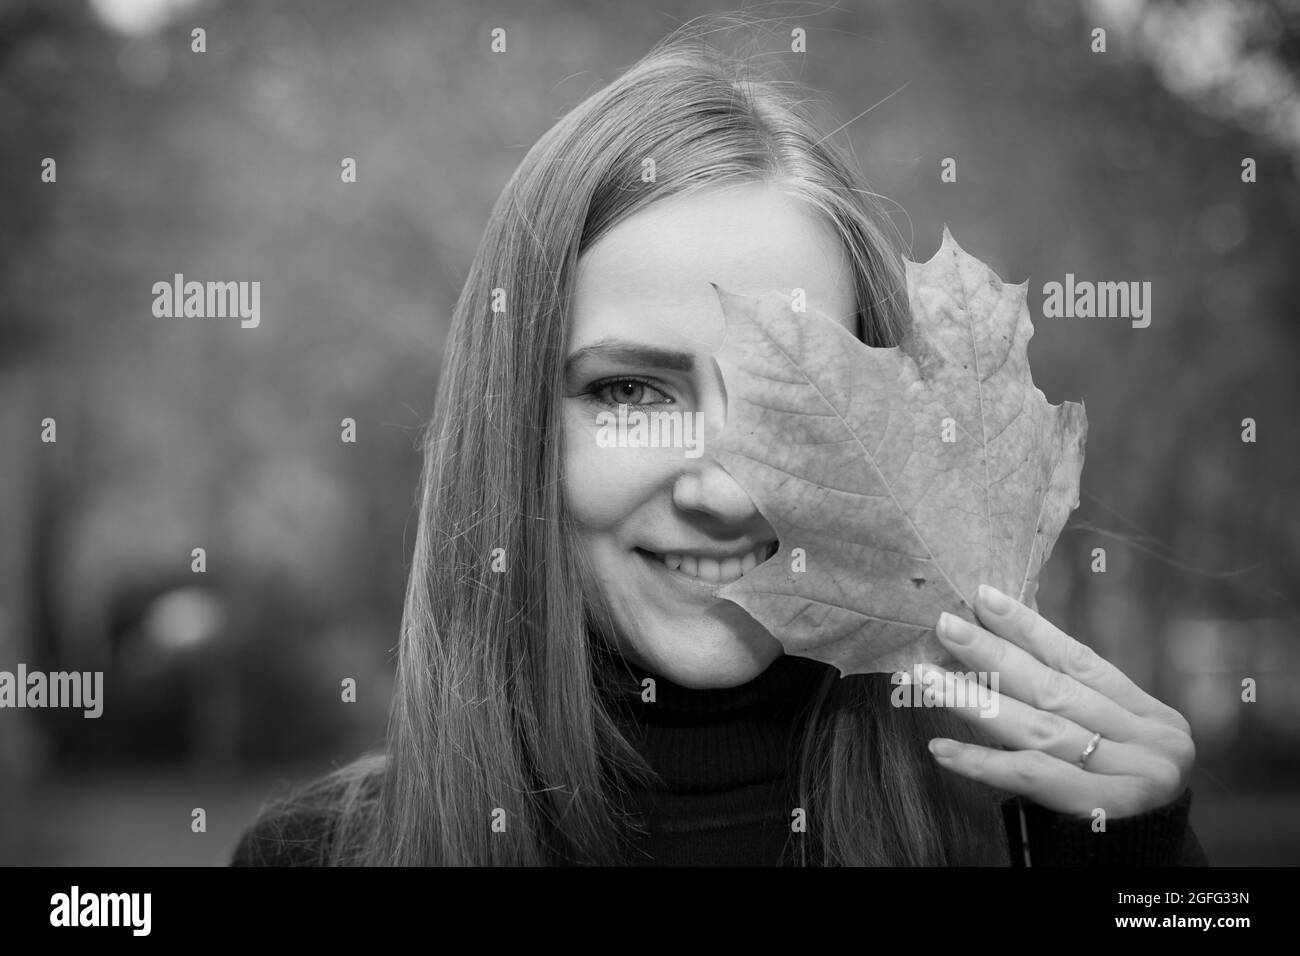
(713, 572)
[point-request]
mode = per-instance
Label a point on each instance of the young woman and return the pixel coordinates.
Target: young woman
(570, 689)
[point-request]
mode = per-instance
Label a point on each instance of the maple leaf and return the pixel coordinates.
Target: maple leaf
(897, 479)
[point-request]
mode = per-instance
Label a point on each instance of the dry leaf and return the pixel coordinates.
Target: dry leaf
(842, 448)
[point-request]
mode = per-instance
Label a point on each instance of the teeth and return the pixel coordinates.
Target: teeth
(709, 570)
(718, 572)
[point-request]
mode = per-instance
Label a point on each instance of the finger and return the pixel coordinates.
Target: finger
(1009, 618)
(1018, 726)
(1042, 778)
(1030, 680)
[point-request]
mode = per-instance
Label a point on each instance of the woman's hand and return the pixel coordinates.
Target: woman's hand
(1052, 695)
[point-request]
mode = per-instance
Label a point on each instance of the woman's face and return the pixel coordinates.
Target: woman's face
(663, 528)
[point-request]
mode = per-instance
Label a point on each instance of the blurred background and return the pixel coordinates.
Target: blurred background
(222, 688)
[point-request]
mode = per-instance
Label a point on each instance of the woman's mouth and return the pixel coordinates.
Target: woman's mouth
(712, 571)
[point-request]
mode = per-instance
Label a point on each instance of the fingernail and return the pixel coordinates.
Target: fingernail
(954, 629)
(943, 747)
(994, 600)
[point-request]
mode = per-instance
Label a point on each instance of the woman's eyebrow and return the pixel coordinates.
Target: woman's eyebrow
(633, 353)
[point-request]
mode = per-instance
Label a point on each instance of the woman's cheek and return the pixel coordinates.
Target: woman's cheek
(592, 476)
(605, 485)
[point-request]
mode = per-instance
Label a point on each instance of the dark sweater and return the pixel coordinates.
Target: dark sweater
(725, 795)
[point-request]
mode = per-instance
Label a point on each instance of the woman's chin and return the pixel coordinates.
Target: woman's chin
(706, 653)
(732, 675)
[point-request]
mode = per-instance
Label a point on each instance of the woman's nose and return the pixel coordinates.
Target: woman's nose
(711, 490)
(706, 487)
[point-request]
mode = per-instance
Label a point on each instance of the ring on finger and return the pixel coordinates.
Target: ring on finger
(1088, 750)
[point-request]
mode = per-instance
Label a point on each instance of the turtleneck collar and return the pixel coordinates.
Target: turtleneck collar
(785, 684)
(717, 738)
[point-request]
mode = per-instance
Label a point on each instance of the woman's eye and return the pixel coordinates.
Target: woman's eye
(627, 391)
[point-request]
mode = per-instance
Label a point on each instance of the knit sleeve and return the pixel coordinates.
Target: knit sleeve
(1159, 837)
(285, 838)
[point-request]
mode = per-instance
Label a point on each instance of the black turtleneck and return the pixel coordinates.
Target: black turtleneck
(724, 794)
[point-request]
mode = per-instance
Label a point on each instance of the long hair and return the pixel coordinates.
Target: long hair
(500, 750)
